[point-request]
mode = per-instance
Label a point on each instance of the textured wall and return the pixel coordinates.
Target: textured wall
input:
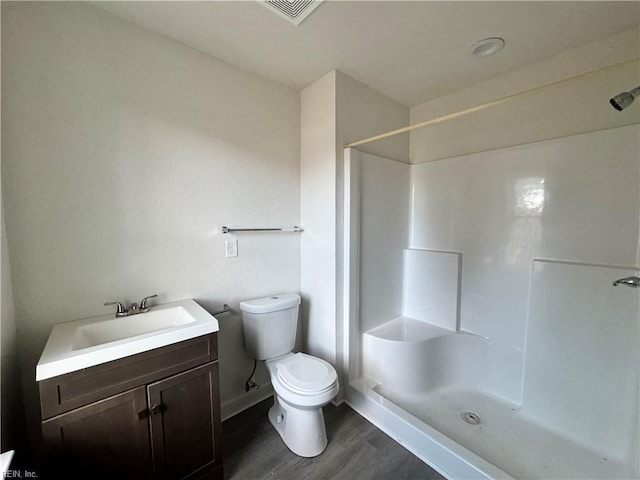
(123, 153)
(11, 401)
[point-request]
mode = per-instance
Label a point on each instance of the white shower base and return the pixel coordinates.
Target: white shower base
(455, 373)
(505, 437)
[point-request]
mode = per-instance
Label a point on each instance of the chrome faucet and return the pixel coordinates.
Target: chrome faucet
(133, 309)
(628, 281)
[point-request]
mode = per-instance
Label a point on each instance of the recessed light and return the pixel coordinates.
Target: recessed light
(488, 46)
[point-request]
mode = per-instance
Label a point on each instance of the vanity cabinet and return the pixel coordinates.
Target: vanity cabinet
(152, 415)
(106, 437)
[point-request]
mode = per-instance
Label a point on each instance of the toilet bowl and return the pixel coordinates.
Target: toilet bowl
(300, 395)
(303, 384)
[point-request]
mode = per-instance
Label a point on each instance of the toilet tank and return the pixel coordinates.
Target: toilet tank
(270, 325)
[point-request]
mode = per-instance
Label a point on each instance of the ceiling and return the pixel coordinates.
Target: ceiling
(410, 51)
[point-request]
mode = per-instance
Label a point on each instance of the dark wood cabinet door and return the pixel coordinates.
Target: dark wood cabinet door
(185, 423)
(106, 439)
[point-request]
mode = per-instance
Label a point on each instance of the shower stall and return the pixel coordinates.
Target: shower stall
(482, 327)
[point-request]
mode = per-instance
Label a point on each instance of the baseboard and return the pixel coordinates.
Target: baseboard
(241, 403)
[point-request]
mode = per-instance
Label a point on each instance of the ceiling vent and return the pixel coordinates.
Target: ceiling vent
(295, 11)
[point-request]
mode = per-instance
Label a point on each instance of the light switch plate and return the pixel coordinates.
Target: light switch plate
(231, 248)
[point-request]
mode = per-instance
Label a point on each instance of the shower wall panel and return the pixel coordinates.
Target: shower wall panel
(432, 287)
(581, 369)
(384, 223)
(572, 199)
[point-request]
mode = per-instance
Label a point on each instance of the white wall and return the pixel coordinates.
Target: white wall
(363, 112)
(336, 110)
(577, 106)
(11, 400)
(123, 153)
(318, 214)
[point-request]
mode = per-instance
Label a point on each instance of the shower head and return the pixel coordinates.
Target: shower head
(624, 99)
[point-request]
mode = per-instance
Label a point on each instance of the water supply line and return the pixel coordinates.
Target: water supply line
(250, 383)
(484, 106)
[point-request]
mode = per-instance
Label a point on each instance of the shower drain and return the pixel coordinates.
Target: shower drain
(471, 418)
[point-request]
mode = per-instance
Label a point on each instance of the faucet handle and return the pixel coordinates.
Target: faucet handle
(120, 311)
(143, 302)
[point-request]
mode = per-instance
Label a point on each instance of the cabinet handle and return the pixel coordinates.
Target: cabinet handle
(157, 408)
(142, 414)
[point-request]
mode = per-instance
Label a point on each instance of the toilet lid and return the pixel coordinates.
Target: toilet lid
(306, 373)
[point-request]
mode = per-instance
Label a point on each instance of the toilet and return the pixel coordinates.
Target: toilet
(303, 384)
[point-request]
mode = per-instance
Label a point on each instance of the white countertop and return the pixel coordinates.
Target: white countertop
(64, 353)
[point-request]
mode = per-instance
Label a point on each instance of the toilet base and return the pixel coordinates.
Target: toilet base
(301, 429)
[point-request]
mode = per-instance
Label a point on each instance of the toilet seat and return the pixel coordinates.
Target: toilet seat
(306, 375)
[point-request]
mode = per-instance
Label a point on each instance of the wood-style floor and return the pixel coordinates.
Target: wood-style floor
(357, 450)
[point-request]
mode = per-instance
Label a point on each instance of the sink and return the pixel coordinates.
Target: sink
(107, 331)
(88, 342)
